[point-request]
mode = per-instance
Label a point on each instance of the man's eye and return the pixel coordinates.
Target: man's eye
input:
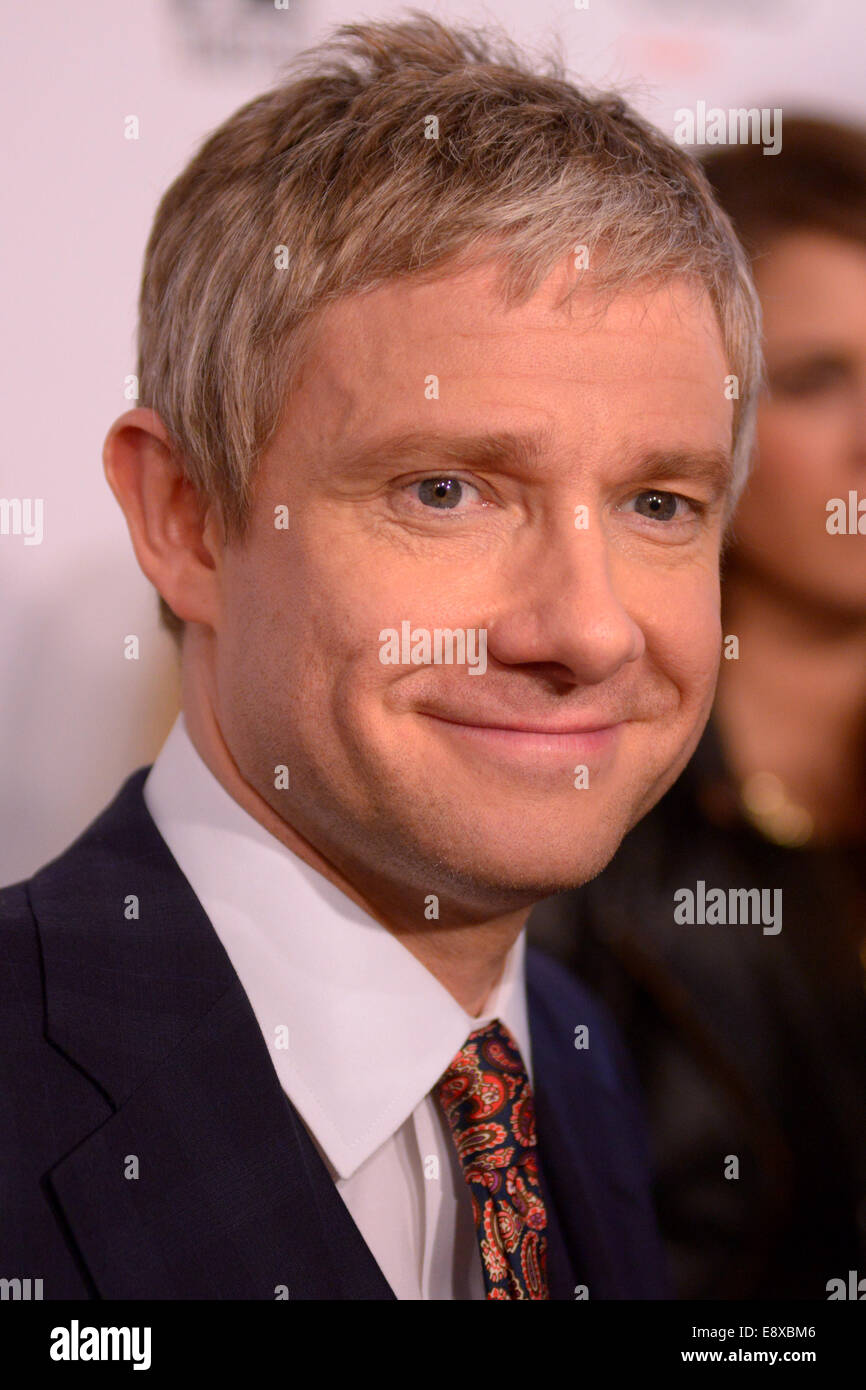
(443, 493)
(658, 506)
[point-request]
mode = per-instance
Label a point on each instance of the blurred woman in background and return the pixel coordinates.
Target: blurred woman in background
(752, 1045)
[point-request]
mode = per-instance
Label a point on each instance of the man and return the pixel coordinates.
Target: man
(434, 455)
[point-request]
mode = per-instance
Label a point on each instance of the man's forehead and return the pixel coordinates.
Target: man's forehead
(531, 424)
(406, 344)
(413, 314)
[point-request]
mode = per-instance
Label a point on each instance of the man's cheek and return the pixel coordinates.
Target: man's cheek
(688, 651)
(700, 663)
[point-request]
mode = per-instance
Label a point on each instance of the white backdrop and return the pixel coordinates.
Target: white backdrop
(75, 716)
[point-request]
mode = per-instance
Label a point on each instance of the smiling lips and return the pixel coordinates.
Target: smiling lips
(524, 727)
(523, 736)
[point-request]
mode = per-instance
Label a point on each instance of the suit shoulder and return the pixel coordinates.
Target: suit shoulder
(559, 984)
(17, 924)
(74, 874)
(561, 1003)
(21, 1002)
(559, 992)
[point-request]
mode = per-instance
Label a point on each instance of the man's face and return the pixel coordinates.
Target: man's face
(458, 511)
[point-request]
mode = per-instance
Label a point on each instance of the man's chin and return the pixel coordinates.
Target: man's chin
(528, 868)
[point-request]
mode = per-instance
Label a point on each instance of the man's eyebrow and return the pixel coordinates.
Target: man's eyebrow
(714, 467)
(522, 452)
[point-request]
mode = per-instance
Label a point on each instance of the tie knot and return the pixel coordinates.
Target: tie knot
(486, 1097)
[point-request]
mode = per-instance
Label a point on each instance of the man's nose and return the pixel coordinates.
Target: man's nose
(562, 608)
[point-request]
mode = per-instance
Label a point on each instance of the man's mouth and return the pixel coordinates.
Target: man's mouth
(566, 738)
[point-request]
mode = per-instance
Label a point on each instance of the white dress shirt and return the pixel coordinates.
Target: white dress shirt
(357, 1028)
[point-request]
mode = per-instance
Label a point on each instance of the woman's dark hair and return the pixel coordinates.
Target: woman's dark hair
(817, 182)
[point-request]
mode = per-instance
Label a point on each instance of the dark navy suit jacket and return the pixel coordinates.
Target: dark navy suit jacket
(133, 1039)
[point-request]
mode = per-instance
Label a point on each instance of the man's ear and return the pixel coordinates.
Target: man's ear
(175, 541)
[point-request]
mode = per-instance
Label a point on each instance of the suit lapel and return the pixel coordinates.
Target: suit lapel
(202, 1182)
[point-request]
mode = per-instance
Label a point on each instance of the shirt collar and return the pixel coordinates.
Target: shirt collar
(359, 1031)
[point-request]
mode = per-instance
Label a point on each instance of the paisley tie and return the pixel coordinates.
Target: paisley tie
(487, 1101)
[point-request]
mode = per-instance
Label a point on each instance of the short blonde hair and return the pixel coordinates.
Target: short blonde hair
(333, 165)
